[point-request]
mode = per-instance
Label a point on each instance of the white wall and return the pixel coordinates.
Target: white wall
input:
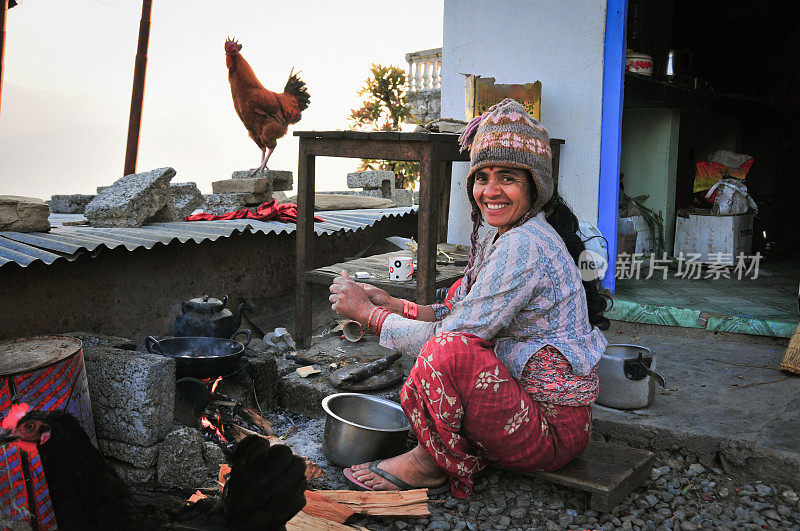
(558, 42)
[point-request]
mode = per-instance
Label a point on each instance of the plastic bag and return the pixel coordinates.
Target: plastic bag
(730, 197)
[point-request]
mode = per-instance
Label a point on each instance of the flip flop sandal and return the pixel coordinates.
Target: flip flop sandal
(373, 467)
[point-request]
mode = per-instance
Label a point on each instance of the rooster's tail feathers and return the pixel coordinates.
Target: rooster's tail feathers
(297, 88)
(266, 488)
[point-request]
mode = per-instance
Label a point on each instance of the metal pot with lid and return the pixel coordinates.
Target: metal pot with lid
(206, 316)
(627, 377)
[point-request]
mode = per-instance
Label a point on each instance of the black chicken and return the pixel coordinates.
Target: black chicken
(266, 487)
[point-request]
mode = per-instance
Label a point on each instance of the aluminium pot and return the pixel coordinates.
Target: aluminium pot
(201, 357)
(627, 377)
(361, 428)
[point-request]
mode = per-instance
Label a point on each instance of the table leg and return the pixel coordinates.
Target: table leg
(305, 245)
(427, 226)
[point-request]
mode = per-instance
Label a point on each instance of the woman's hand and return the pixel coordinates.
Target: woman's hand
(350, 299)
(377, 296)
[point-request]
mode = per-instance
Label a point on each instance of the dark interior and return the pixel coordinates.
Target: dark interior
(743, 77)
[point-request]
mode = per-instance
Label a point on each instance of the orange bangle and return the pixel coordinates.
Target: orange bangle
(410, 310)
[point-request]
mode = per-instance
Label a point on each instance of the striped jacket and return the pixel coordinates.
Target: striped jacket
(527, 294)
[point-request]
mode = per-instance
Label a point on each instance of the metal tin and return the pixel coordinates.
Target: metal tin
(47, 373)
(361, 428)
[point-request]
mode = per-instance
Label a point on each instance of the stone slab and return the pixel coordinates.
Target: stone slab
(69, 204)
(132, 454)
(132, 475)
(91, 339)
(23, 214)
(131, 199)
(133, 394)
(281, 179)
(371, 180)
(240, 186)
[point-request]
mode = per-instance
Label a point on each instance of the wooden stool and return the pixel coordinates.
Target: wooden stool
(608, 471)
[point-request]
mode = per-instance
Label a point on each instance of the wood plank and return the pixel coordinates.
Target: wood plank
(608, 471)
(384, 135)
(303, 521)
(358, 135)
(383, 503)
(323, 507)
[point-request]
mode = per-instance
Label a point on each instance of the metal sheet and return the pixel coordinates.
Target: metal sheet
(69, 242)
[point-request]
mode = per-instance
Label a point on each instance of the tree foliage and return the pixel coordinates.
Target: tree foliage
(384, 108)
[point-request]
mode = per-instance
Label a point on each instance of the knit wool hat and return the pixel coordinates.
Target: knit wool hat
(506, 135)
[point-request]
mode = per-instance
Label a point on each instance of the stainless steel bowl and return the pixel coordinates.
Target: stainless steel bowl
(361, 428)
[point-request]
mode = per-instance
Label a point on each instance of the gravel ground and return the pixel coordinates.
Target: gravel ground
(681, 494)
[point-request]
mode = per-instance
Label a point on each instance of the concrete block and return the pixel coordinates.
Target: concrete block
(23, 214)
(240, 186)
(132, 475)
(131, 200)
(184, 199)
(281, 179)
(133, 394)
(69, 204)
(403, 198)
(371, 180)
(219, 204)
(131, 454)
(180, 460)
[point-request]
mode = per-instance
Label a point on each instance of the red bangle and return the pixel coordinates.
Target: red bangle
(369, 319)
(410, 309)
(379, 321)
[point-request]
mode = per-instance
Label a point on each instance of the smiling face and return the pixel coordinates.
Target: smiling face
(503, 195)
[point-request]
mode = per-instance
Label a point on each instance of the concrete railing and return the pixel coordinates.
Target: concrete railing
(424, 70)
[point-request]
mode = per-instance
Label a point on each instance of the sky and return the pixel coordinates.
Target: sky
(68, 74)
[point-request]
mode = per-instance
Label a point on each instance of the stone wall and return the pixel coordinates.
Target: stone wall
(138, 293)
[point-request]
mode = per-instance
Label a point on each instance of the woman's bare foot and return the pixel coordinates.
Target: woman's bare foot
(415, 467)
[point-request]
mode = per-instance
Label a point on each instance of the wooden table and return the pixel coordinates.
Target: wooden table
(434, 151)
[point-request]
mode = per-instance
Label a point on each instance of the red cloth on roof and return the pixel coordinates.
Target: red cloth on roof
(285, 212)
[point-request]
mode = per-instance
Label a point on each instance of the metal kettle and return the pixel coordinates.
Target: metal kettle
(627, 376)
(207, 317)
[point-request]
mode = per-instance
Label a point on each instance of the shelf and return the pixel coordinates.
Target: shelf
(641, 91)
(377, 267)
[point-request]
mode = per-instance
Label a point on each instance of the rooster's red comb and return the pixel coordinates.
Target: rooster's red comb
(16, 412)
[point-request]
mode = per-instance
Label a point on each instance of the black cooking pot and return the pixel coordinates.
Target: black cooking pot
(201, 357)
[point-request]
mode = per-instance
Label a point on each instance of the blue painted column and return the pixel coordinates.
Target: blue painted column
(611, 130)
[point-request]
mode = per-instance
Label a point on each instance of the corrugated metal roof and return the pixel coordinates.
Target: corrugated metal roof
(69, 242)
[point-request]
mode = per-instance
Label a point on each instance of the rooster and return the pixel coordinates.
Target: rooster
(265, 490)
(264, 113)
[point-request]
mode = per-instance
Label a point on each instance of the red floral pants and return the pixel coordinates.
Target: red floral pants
(468, 411)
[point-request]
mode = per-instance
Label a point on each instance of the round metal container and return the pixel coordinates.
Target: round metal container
(45, 372)
(361, 428)
(618, 388)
